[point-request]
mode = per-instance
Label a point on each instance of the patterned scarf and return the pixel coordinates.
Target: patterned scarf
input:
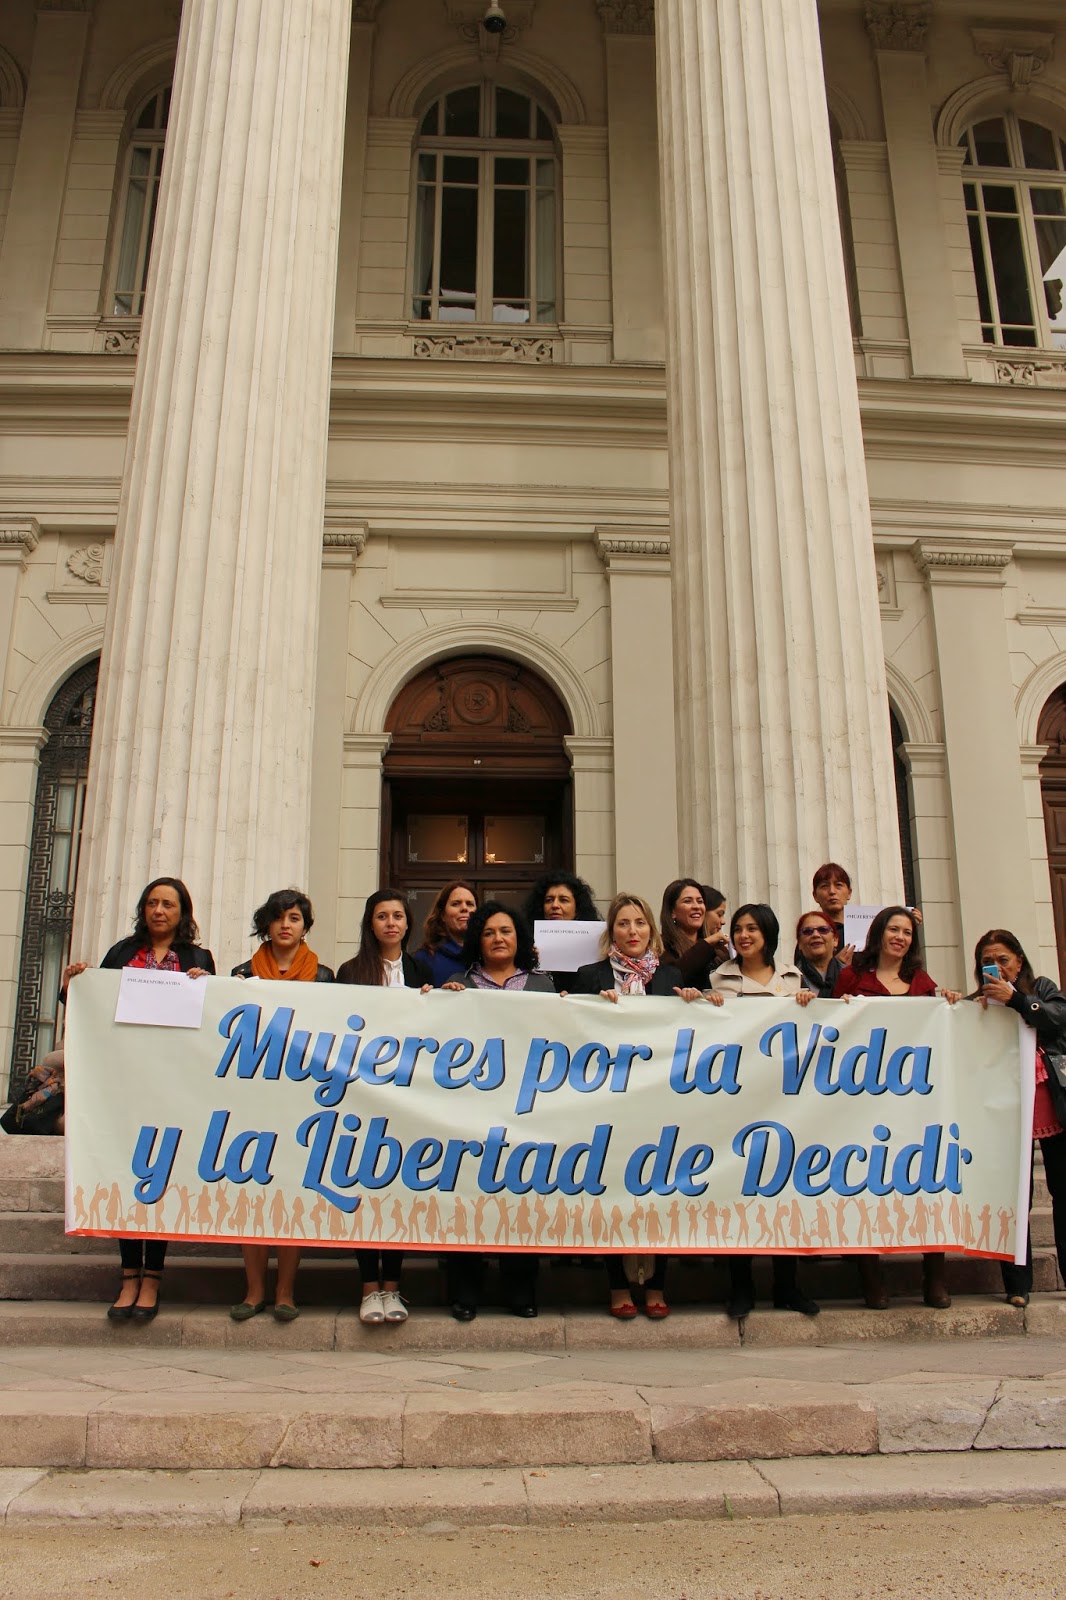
(303, 969)
(635, 975)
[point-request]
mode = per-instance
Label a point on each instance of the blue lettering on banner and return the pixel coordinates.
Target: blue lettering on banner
(861, 1070)
(153, 1171)
(771, 1161)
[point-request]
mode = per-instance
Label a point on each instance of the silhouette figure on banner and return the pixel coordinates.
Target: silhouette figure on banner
(865, 1226)
(242, 1208)
(615, 1235)
(503, 1220)
(1005, 1220)
(795, 1225)
(899, 1211)
(841, 1208)
(374, 1230)
(203, 1216)
(693, 1223)
(969, 1237)
(727, 1222)
(96, 1206)
(780, 1220)
(279, 1215)
(741, 1209)
(339, 1223)
(984, 1217)
(937, 1208)
(710, 1217)
(317, 1215)
(523, 1221)
(116, 1211)
(398, 1220)
(458, 1225)
(258, 1219)
(298, 1218)
(654, 1227)
(674, 1218)
(884, 1222)
(540, 1211)
(80, 1218)
(479, 1219)
(955, 1219)
(762, 1222)
(597, 1221)
(414, 1219)
(921, 1219)
(560, 1222)
(434, 1220)
(577, 1224)
(822, 1228)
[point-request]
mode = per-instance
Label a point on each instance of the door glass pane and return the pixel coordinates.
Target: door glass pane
(421, 903)
(509, 840)
(432, 838)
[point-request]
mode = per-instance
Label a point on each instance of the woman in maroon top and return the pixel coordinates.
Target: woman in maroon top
(891, 964)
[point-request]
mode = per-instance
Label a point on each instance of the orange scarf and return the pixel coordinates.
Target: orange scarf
(304, 968)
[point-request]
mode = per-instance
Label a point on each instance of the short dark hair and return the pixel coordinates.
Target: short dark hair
(434, 932)
(525, 954)
(367, 965)
(1026, 981)
(765, 920)
(533, 910)
(276, 905)
(187, 932)
(828, 870)
(866, 959)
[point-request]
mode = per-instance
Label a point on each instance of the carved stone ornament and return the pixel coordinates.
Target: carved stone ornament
(1022, 53)
(898, 24)
(608, 547)
(627, 16)
(1032, 374)
(483, 347)
(929, 560)
(353, 539)
(119, 343)
(87, 564)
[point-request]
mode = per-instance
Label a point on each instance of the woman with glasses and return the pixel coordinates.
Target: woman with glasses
(816, 955)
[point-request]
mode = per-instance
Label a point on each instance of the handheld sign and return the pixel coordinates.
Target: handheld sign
(160, 999)
(857, 920)
(565, 946)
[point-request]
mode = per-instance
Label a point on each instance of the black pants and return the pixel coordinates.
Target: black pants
(142, 1255)
(518, 1277)
(742, 1277)
(1019, 1280)
(616, 1273)
(379, 1266)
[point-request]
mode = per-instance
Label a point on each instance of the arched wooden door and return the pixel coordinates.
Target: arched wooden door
(1052, 732)
(477, 782)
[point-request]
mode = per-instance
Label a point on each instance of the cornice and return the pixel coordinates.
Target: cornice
(632, 550)
(963, 562)
(898, 24)
(627, 16)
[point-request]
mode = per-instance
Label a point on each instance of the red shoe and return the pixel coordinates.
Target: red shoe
(657, 1310)
(625, 1312)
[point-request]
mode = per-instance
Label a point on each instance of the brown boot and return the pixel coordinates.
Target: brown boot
(874, 1290)
(934, 1282)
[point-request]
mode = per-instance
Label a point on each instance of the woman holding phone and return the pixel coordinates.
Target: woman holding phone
(1005, 977)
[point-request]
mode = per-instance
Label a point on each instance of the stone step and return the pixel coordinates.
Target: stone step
(332, 1278)
(132, 1420)
(433, 1331)
(442, 1500)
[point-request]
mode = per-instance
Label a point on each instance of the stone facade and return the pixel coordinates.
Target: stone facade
(498, 489)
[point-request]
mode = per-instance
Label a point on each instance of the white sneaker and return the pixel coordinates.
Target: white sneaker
(395, 1310)
(372, 1308)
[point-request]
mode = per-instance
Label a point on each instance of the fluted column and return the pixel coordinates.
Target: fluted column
(784, 756)
(202, 747)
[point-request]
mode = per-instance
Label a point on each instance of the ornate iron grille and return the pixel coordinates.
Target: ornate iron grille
(54, 847)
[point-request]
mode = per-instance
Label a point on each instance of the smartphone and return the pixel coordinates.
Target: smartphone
(990, 973)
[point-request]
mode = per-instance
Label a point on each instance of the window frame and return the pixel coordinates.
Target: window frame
(486, 149)
(154, 141)
(1022, 180)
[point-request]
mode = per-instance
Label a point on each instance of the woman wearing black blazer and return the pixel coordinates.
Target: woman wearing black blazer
(382, 962)
(164, 939)
(631, 965)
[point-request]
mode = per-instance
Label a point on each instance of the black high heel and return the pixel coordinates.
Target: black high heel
(146, 1313)
(118, 1313)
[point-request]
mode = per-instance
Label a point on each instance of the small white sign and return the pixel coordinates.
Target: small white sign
(160, 999)
(857, 920)
(565, 946)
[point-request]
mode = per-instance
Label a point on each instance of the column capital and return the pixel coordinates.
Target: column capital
(343, 543)
(22, 744)
(590, 755)
(19, 537)
(366, 749)
(962, 561)
(633, 549)
(627, 16)
(898, 24)
(1022, 53)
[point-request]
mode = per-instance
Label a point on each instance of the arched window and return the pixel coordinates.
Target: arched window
(1015, 189)
(54, 848)
(140, 196)
(486, 234)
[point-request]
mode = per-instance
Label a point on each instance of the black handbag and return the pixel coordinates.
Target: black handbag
(1055, 1062)
(42, 1119)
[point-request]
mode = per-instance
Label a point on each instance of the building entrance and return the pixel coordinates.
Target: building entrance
(476, 782)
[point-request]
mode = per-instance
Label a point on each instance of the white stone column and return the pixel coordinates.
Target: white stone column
(642, 691)
(203, 741)
(898, 34)
(354, 179)
(990, 824)
(784, 756)
(31, 228)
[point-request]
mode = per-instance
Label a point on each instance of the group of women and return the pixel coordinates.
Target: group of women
(490, 947)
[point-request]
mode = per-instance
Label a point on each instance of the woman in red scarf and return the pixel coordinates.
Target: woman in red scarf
(632, 964)
(281, 923)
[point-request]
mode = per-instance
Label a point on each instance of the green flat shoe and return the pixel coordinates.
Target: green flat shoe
(247, 1309)
(286, 1313)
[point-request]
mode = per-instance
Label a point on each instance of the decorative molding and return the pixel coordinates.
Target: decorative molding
(122, 342)
(886, 586)
(129, 74)
(960, 561)
(1034, 695)
(483, 347)
(1021, 53)
(627, 16)
(612, 546)
(353, 539)
(898, 24)
(12, 86)
(983, 97)
(1032, 374)
(22, 535)
(87, 564)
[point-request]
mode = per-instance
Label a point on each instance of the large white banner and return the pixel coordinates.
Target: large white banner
(336, 1115)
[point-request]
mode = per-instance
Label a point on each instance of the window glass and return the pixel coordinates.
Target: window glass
(1040, 148)
(511, 840)
(144, 167)
(990, 144)
(462, 113)
(513, 115)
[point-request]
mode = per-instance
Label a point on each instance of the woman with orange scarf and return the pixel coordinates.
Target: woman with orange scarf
(281, 923)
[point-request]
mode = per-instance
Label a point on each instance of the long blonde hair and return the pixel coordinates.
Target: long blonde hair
(655, 944)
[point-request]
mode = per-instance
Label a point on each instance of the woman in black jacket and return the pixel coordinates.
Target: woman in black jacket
(631, 965)
(164, 939)
(1042, 1007)
(382, 962)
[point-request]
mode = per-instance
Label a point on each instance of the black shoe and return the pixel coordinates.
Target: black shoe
(123, 1313)
(146, 1313)
(523, 1311)
(797, 1302)
(463, 1312)
(739, 1306)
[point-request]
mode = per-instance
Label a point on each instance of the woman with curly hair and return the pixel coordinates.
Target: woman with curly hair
(560, 897)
